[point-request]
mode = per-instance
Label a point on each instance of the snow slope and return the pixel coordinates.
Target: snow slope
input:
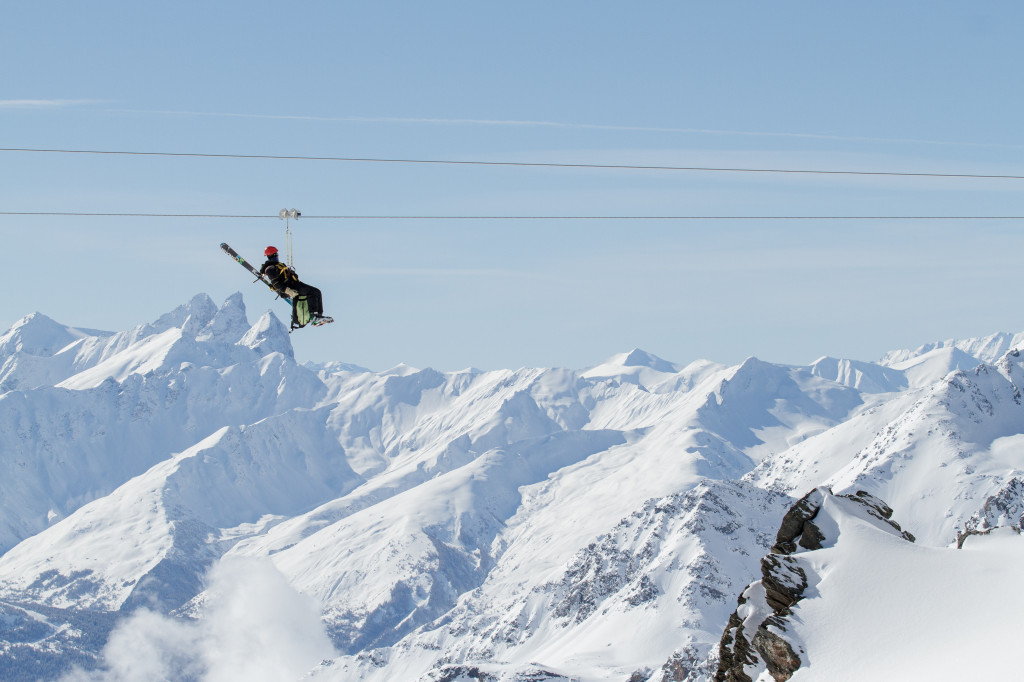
(862, 600)
(510, 525)
(961, 620)
(935, 454)
(122, 403)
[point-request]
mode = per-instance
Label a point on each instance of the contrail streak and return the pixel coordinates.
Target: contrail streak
(562, 125)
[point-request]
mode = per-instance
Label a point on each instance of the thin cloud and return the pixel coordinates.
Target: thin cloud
(439, 272)
(45, 103)
(563, 125)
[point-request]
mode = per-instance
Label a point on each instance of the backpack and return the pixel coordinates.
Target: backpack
(300, 312)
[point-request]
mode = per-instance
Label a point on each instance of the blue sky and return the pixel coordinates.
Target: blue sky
(927, 87)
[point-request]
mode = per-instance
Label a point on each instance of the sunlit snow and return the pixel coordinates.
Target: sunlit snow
(183, 500)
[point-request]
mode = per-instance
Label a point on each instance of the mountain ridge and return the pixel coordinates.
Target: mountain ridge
(500, 525)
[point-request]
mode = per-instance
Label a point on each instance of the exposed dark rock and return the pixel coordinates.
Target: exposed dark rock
(784, 582)
(680, 665)
(540, 675)
(735, 652)
(811, 537)
(796, 519)
(646, 591)
(465, 673)
(878, 509)
(881, 509)
(1005, 509)
(695, 661)
(962, 537)
(766, 648)
(777, 653)
(451, 673)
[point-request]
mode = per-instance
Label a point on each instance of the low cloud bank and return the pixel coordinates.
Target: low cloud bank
(255, 627)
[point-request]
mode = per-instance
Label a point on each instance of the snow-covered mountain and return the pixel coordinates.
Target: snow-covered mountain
(177, 498)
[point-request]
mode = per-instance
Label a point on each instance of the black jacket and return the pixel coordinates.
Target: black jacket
(280, 275)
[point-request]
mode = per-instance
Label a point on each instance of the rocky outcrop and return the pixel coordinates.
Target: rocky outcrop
(684, 664)
(756, 637)
(777, 653)
(798, 529)
(879, 510)
(472, 673)
(459, 673)
(1004, 509)
(798, 525)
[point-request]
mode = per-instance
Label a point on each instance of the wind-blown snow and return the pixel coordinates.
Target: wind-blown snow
(509, 525)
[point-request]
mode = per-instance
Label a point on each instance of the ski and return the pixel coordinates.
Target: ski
(248, 266)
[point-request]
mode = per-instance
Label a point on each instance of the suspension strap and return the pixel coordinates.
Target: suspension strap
(288, 214)
(288, 240)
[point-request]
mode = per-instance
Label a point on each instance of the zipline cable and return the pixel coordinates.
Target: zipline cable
(527, 164)
(81, 214)
(654, 217)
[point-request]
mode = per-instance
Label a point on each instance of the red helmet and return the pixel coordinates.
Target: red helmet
(270, 251)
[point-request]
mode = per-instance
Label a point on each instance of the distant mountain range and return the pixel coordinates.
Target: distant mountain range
(184, 500)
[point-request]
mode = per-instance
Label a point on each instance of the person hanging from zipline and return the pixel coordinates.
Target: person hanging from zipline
(307, 302)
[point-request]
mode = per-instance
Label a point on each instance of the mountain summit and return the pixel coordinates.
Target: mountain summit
(173, 493)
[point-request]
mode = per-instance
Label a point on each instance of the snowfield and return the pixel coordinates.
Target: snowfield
(913, 612)
(184, 500)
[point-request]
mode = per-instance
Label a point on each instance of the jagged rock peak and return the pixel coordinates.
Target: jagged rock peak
(202, 320)
(228, 324)
(191, 316)
(268, 335)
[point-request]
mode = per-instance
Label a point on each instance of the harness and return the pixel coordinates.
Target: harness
(281, 275)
